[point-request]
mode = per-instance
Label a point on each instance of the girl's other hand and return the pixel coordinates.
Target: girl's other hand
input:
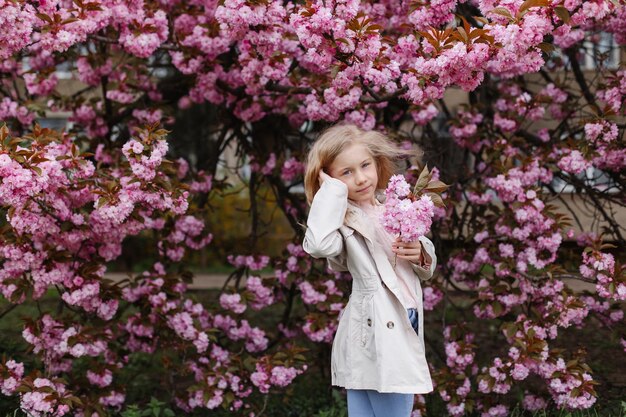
(323, 176)
(411, 251)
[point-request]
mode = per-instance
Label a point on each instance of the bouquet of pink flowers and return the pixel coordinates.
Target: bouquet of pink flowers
(409, 214)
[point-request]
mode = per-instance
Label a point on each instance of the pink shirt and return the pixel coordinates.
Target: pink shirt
(403, 268)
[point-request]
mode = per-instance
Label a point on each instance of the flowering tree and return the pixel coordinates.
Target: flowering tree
(269, 75)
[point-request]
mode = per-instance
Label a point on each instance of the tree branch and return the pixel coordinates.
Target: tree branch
(591, 192)
(580, 78)
(272, 86)
(379, 99)
(165, 46)
(7, 310)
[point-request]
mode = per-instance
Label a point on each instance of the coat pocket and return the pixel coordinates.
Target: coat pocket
(367, 320)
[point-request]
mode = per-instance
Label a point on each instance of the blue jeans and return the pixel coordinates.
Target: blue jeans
(370, 403)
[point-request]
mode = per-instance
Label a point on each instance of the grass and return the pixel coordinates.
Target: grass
(592, 412)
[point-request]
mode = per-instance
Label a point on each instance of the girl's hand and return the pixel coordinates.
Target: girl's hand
(323, 176)
(411, 251)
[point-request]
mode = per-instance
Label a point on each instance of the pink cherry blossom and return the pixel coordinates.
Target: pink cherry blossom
(403, 217)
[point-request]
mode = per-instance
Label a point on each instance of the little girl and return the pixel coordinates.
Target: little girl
(378, 350)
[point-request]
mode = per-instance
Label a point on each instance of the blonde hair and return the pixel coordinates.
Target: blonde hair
(337, 138)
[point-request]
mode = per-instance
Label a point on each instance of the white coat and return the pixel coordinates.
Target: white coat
(375, 346)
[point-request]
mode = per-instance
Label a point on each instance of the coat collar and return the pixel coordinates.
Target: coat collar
(358, 220)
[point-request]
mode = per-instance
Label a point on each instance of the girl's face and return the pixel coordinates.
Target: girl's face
(356, 168)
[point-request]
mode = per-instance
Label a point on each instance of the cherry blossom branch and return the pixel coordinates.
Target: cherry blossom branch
(287, 89)
(566, 204)
(100, 38)
(577, 277)
(580, 77)
(7, 310)
(591, 193)
(378, 98)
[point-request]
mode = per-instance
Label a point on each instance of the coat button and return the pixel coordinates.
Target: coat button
(390, 324)
(369, 322)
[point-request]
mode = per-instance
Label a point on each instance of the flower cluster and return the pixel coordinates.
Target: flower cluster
(406, 217)
(188, 232)
(455, 385)
(466, 128)
(254, 263)
(291, 169)
(600, 266)
(278, 376)
(11, 374)
(44, 399)
(144, 161)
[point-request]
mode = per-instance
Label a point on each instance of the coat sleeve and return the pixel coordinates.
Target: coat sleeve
(328, 210)
(426, 272)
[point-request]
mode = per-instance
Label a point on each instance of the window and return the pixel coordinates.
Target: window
(64, 71)
(599, 51)
(56, 122)
(592, 176)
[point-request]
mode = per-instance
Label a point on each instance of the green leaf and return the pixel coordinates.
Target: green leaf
(44, 17)
(15, 141)
(562, 13)
(463, 33)
(229, 397)
(436, 186)
(280, 355)
(546, 47)
(502, 11)
(481, 19)
(422, 180)
(497, 308)
(532, 3)
(70, 20)
(437, 200)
